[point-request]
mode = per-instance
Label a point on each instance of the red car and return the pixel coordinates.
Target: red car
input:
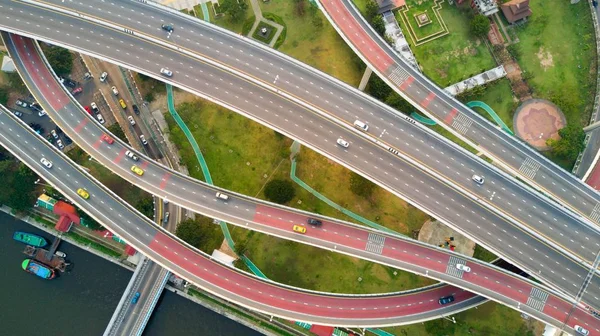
(89, 110)
(108, 139)
(76, 91)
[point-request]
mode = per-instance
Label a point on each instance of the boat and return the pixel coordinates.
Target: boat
(37, 268)
(30, 239)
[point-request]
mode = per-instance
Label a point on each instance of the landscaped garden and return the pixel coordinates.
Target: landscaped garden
(423, 20)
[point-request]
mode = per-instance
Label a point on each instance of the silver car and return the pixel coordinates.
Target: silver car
(166, 72)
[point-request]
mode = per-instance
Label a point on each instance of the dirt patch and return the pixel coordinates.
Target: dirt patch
(435, 233)
(545, 58)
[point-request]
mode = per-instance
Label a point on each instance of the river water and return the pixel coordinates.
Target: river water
(81, 301)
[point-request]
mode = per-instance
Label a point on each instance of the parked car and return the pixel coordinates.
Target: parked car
(54, 134)
(41, 113)
(36, 107)
(94, 107)
(88, 110)
(21, 103)
(103, 76)
(18, 113)
(100, 118)
(70, 83)
(77, 91)
(60, 254)
(166, 219)
(143, 139)
(60, 144)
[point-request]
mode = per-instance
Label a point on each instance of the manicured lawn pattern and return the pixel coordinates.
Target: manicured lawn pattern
(413, 8)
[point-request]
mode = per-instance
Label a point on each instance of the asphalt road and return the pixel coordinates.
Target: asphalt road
(329, 309)
(505, 149)
(431, 261)
(524, 250)
(548, 221)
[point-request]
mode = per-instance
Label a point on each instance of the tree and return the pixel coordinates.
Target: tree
(236, 10)
(372, 10)
(361, 186)
(60, 59)
(4, 95)
(118, 132)
(570, 143)
(280, 191)
(378, 24)
(190, 230)
(146, 206)
(480, 25)
(378, 88)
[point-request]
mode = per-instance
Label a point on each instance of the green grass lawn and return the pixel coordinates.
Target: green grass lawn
(498, 95)
(408, 16)
(456, 56)
(557, 47)
(320, 47)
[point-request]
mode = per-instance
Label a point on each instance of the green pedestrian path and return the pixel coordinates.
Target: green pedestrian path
(295, 148)
(492, 113)
(422, 119)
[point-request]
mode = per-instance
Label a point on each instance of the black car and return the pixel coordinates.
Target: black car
(70, 83)
(315, 222)
(446, 299)
(68, 140)
(58, 130)
(135, 109)
(168, 28)
(36, 107)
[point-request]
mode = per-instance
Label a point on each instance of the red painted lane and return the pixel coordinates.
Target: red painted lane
(144, 164)
(163, 182)
(594, 178)
(559, 309)
(81, 125)
(425, 102)
(97, 143)
(407, 83)
(357, 36)
(450, 116)
(120, 156)
(23, 46)
(337, 307)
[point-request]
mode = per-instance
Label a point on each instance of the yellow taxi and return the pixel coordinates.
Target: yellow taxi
(299, 229)
(122, 103)
(83, 193)
(137, 170)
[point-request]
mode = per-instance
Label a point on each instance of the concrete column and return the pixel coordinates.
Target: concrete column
(365, 79)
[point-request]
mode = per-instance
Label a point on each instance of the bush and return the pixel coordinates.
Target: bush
(60, 59)
(118, 132)
(149, 97)
(480, 25)
(280, 191)
(570, 143)
(4, 95)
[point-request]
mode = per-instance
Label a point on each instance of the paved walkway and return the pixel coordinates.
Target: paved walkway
(259, 17)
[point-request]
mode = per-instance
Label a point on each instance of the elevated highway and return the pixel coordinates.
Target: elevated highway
(522, 246)
(44, 85)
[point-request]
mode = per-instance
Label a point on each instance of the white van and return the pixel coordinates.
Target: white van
(361, 125)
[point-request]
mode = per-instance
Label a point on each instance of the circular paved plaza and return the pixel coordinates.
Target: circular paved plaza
(538, 120)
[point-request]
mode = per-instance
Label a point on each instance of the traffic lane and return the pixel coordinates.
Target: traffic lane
(589, 154)
(563, 185)
(572, 316)
(151, 229)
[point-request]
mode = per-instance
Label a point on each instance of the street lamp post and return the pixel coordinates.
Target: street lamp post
(447, 318)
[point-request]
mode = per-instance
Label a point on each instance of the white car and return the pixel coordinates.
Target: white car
(131, 155)
(100, 118)
(143, 138)
(463, 268)
(103, 76)
(60, 254)
(60, 144)
(222, 196)
(343, 143)
(361, 125)
(46, 163)
(114, 90)
(478, 179)
(581, 330)
(166, 72)
(94, 107)
(21, 103)
(54, 135)
(131, 121)
(41, 113)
